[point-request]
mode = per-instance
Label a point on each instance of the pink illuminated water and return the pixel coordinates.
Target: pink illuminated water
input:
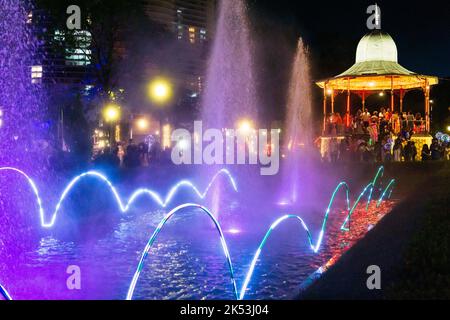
(230, 93)
(22, 128)
(298, 133)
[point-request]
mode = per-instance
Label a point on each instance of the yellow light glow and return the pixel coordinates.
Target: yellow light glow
(245, 126)
(111, 113)
(330, 91)
(142, 124)
(448, 128)
(117, 135)
(160, 91)
(166, 137)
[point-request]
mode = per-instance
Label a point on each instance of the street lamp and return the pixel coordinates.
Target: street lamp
(160, 91)
(142, 124)
(111, 114)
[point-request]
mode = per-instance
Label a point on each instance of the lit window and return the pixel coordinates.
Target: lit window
(203, 34)
(180, 32)
(192, 34)
(80, 56)
(36, 74)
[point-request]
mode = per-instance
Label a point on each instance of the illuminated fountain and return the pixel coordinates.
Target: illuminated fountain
(22, 129)
(123, 206)
(108, 259)
(230, 93)
(298, 128)
(314, 246)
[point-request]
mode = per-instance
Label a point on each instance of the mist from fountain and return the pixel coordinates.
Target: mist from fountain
(22, 129)
(298, 128)
(21, 100)
(230, 93)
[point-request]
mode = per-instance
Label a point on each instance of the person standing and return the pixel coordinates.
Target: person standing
(408, 152)
(435, 150)
(334, 150)
(413, 151)
(426, 154)
(398, 150)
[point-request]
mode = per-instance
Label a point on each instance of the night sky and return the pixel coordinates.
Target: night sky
(421, 29)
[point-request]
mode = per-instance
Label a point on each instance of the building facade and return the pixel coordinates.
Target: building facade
(60, 59)
(191, 22)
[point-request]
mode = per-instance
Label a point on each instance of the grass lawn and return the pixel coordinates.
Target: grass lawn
(425, 273)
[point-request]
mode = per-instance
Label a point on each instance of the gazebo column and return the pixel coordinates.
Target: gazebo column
(347, 116)
(402, 95)
(332, 101)
(427, 106)
(392, 94)
(324, 109)
(364, 101)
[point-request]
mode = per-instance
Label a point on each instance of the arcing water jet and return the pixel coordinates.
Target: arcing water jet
(123, 208)
(314, 247)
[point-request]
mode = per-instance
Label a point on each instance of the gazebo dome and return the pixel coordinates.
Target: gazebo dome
(376, 46)
(377, 68)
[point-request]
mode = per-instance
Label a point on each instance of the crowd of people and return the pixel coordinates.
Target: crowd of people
(386, 150)
(380, 136)
(375, 124)
(131, 155)
(366, 137)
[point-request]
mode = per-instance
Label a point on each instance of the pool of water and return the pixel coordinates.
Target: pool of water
(187, 260)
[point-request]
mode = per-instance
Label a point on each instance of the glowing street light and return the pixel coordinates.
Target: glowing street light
(160, 91)
(245, 126)
(448, 128)
(111, 113)
(142, 124)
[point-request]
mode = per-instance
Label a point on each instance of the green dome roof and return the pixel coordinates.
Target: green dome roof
(376, 46)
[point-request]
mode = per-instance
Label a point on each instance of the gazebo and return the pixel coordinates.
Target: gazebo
(376, 70)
